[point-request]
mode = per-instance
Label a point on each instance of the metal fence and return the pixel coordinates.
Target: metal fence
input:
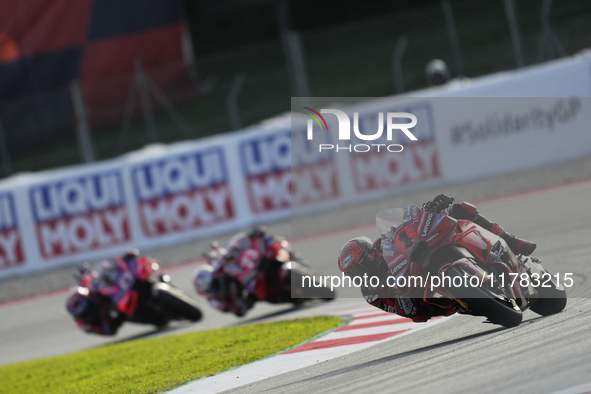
(233, 89)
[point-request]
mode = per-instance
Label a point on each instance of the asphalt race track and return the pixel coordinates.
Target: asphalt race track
(542, 355)
(42, 327)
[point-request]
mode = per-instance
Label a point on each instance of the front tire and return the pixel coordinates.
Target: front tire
(483, 303)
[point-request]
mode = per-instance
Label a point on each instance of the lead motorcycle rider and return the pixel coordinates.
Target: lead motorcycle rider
(371, 263)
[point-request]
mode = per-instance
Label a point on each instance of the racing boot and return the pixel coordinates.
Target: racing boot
(517, 245)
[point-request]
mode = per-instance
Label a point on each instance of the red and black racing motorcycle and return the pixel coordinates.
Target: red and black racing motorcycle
(434, 255)
(138, 291)
(276, 280)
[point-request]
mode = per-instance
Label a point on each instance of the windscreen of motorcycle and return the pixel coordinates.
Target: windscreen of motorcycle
(389, 219)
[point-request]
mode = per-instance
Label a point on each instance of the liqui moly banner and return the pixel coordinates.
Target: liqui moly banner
(266, 167)
(283, 171)
(394, 161)
(11, 247)
(77, 214)
(315, 177)
(328, 153)
(183, 192)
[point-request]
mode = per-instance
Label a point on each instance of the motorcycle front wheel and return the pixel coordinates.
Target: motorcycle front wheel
(482, 302)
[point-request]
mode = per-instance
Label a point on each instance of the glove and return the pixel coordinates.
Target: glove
(438, 204)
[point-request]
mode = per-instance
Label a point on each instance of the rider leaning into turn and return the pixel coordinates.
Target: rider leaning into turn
(223, 281)
(92, 311)
(372, 263)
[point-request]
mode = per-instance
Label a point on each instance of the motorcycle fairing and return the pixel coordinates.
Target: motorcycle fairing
(405, 232)
(117, 279)
(408, 235)
(479, 242)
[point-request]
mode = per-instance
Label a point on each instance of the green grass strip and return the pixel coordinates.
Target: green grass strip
(160, 364)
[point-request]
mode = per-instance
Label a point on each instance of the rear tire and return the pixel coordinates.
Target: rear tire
(483, 303)
(176, 304)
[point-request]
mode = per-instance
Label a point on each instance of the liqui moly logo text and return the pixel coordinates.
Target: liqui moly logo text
(395, 122)
(183, 192)
(11, 248)
(282, 169)
(80, 214)
(418, 162)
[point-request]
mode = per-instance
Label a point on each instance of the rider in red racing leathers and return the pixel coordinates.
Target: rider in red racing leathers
(222, 291)
(372, 263)
(233, 274)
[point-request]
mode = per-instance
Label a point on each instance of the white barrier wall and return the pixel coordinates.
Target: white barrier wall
(496, 135)
(163, 195)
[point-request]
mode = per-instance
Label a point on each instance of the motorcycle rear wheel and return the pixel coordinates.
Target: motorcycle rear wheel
(175, 303)
(483, 303)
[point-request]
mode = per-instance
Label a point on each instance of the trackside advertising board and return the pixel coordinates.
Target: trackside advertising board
(266, 166)
(183, 192)
(489, 136)
(77, 214)
(282, 171)
(11, 248)
(387, 169)
(318, 157)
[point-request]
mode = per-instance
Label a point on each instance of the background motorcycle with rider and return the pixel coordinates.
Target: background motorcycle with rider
(254, 266)
(127, 288)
